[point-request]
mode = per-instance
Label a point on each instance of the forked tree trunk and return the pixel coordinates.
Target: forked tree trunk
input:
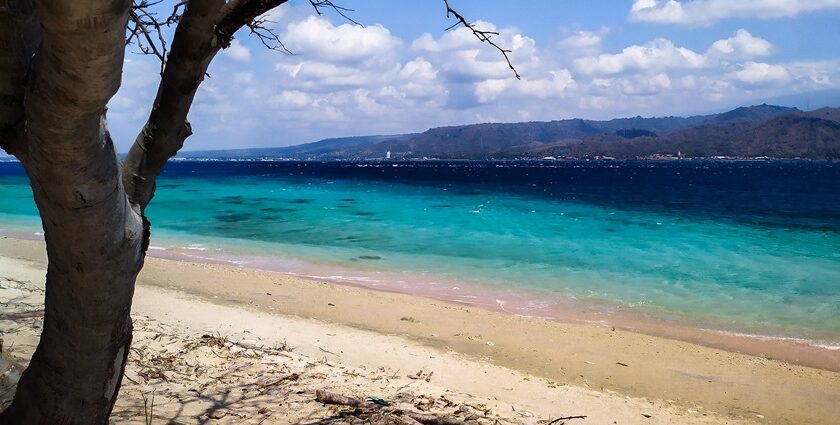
(60, 63)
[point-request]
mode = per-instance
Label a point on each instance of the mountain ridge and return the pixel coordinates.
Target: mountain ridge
(750, 131)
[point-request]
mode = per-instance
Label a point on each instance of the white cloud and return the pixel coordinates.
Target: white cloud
(238, 52)
(462, 58)
(632, 86)
(660, 54)
(708, 11)
(755, 73)
(554, 86)
(583, 42)
(742, 45)
(293, 98)
(317, 38)
(457, 39)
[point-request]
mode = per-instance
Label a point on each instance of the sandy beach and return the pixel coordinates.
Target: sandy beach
(233, 345)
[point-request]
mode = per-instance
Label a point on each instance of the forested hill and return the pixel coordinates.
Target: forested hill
(755, 131)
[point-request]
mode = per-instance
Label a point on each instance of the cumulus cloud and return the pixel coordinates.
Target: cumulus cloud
(708, 11)
(583, 42)
(662, 55)
(315, 37)
(556, 85)
(460, 56)
(659, 54)
(742, 45)
(755, 73)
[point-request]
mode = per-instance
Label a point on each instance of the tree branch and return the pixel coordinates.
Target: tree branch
(204, 28)
(145, 28)
(259, 28)
(483, 36)
(239, 13)
(20, 34)
(193, 47)
(318, 4)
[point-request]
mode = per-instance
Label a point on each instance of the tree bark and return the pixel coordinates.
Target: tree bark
(20, 34)
(94, 239)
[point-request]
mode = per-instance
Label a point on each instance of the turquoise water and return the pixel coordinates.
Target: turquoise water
(711, 262)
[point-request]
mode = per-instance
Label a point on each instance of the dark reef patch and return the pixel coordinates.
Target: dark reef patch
(232, 217)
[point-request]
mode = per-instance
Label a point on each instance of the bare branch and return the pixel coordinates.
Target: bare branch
(193, 47)
(145, 28)
(318, 4)
(483, 36)
(267, 36)
(240, 13)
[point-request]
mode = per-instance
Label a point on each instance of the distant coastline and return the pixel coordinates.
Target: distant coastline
(759, 132)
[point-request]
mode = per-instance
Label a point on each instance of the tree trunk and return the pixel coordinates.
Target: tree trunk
(95, 240)
(75, 373)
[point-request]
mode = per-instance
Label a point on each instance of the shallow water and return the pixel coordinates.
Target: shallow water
(750, 247)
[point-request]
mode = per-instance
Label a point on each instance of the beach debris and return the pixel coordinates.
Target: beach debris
(622, 364)
(378, 401)
(213, 341)
(422, 375)
(217, 414)
(409, 319)
(588, 362)
(561, 420)
(328, 351)
(367, 409)
(647, 415)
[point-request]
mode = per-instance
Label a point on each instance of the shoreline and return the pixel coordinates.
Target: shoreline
(575, 355)
(568, 310)
(212, 362)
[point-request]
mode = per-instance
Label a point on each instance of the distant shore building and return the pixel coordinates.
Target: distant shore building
(388, 155)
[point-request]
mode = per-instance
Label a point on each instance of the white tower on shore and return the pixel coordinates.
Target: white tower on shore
(388, 155)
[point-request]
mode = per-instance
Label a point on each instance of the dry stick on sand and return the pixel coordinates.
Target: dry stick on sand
(565, 418)
(327, 397)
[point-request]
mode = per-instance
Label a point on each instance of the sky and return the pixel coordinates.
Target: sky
(401, 72)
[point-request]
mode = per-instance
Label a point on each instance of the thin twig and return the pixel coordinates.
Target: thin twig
(318, 4)
(483, 36)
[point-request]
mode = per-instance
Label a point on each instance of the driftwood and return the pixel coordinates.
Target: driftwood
(327, 397)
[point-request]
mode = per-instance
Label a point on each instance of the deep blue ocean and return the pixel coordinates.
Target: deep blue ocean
(743, 246)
